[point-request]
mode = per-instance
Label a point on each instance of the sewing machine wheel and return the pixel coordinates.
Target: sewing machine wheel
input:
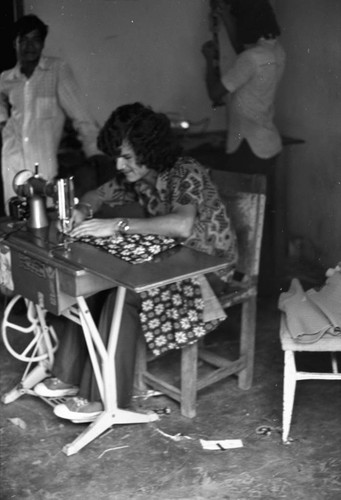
(39, 341)
(20, 180)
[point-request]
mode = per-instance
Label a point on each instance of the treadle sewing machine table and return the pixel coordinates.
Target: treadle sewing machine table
(56, 277)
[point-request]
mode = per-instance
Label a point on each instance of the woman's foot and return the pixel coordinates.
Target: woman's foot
(79, 410)
(52, 387)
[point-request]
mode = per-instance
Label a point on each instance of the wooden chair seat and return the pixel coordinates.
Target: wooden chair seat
(244, 198)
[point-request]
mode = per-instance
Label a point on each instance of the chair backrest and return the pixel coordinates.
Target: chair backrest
(244, 198)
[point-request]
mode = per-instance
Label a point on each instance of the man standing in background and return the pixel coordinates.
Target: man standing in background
(36, 96)
(249, 86)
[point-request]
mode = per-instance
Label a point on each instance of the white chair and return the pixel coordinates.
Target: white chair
(327, 343)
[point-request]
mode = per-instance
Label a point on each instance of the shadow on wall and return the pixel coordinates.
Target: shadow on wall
(303, 263)
(300, 248)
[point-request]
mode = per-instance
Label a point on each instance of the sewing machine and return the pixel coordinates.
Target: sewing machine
(33, 191)
(56, 275)
(32, 266)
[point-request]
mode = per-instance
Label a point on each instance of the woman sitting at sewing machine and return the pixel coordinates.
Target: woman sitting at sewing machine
(176, 199)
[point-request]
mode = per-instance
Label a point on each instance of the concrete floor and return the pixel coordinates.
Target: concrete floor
(145, 461)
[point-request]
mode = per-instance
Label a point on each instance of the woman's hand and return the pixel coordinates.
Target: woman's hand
(95, 227)
(78, 216)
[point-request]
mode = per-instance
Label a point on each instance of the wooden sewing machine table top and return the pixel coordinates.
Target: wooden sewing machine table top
(82, 269)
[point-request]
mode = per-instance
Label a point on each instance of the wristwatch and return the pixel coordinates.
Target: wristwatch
(123, 226)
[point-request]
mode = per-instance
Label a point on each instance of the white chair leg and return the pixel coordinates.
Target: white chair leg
(289, 386)
(140, 365)
(334, 362)
(247, 342)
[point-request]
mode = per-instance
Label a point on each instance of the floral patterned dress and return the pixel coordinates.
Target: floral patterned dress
(158, 193)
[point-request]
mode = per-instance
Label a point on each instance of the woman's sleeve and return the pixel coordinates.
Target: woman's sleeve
(187, 184)
(111, 193)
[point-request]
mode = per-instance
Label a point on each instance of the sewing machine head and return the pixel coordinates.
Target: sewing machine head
(30, 202)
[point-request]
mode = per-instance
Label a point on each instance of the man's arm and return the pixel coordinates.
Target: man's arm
(215, 88)
(70, 99)
(4, 106)
(3, 114)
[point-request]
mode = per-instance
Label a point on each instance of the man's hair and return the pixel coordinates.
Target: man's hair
(255, 19)
(29, 23)
(147, 132)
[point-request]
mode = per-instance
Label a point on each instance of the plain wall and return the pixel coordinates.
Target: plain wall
(150, 50)
(134, 50)
(309, 107)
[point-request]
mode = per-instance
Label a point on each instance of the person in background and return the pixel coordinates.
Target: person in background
(178, 200)
(36, 96)
(250, 84)
(248, 88)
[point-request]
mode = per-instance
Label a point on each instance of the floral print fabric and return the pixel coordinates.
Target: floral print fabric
(134, 248)
(172, 316)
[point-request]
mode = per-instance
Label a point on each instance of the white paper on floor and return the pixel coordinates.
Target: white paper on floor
(225, 444)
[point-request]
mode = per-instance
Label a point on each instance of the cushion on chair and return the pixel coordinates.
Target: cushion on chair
(310, 315)
(329, 342)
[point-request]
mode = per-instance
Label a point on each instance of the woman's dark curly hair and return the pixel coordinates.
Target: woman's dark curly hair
(147, 132)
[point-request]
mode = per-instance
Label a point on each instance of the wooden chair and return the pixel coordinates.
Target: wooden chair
(244, 196)
(327, 343)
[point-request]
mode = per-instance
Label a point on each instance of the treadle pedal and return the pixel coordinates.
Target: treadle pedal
(53, 401)
(58, 401)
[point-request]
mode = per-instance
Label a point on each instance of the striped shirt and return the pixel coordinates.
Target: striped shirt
(34, 110)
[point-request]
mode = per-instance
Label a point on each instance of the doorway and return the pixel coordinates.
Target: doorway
(11, 10)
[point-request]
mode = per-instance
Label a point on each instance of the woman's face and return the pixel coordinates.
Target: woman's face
(127, 165)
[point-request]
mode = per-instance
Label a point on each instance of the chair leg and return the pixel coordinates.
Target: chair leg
(189, 364)
(335, 367)
(141, 364)
(289, 386)
(247, 342)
